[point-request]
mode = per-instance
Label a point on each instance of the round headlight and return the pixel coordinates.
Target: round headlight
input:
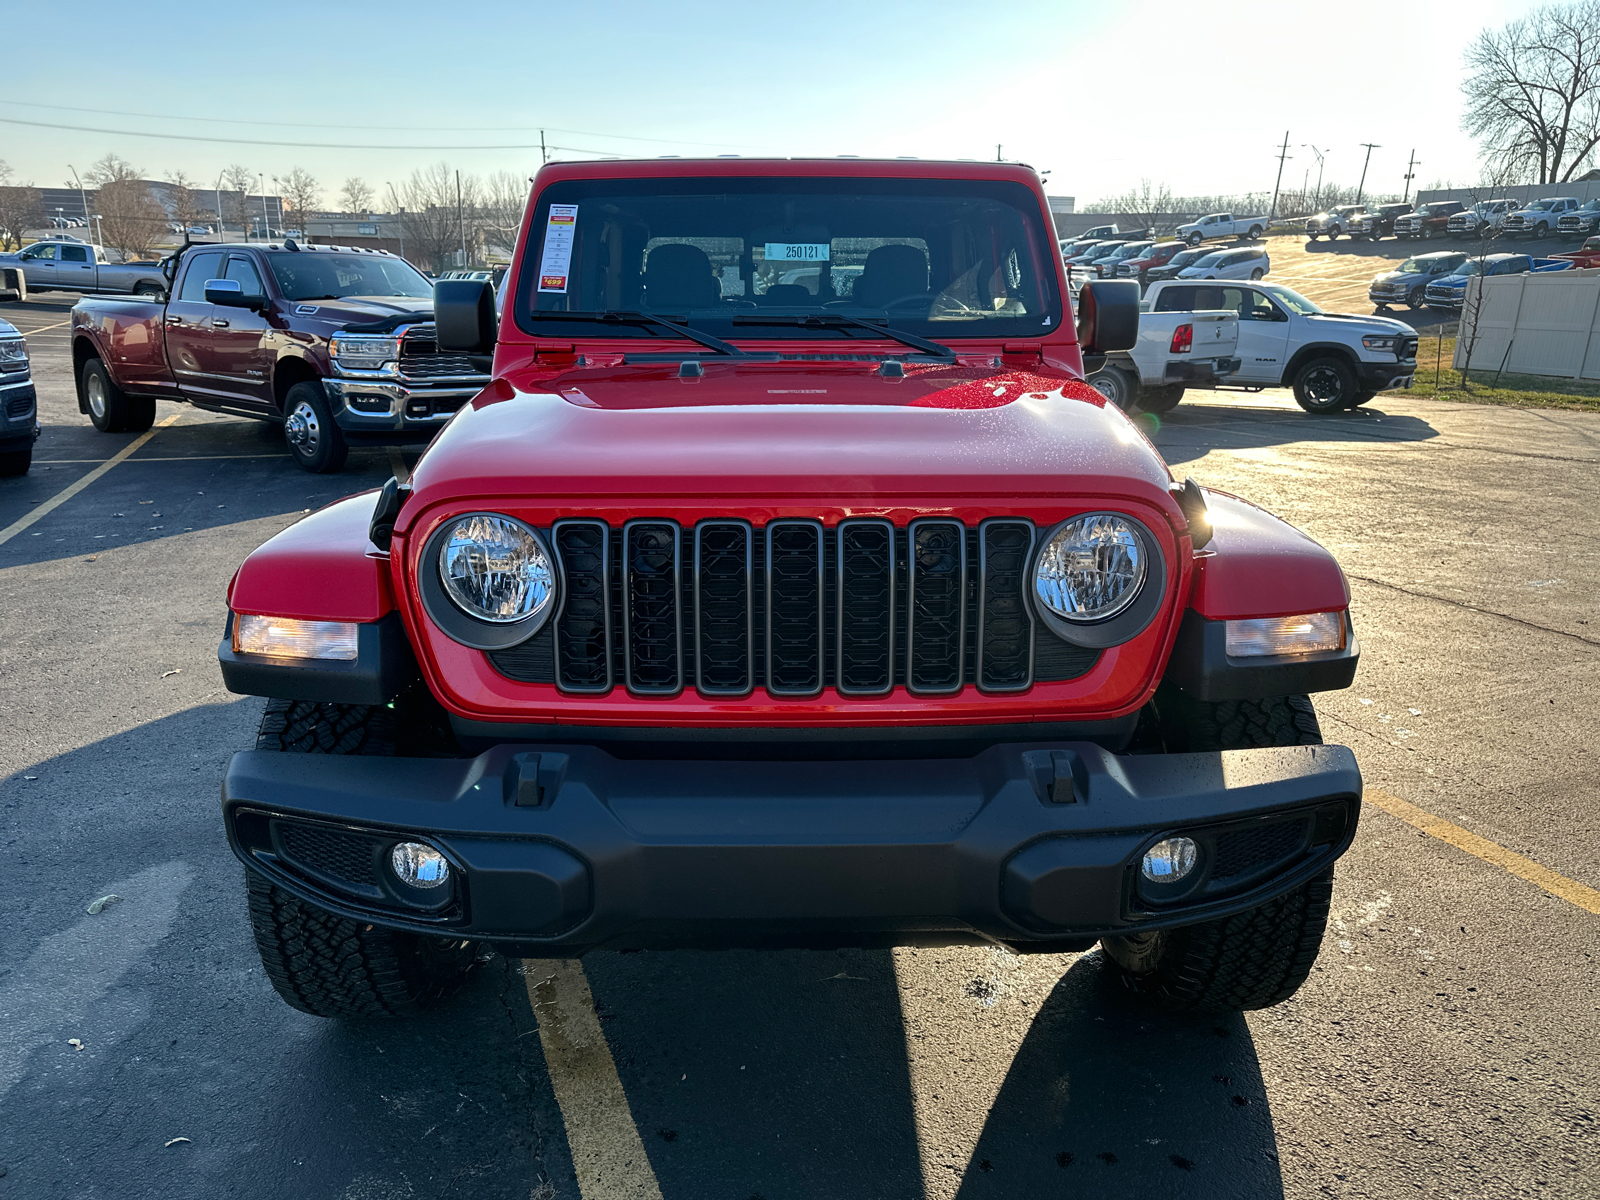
(1091, 569)
(496, 569)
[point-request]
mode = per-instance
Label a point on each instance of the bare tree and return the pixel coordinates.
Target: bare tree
(236, 200)
(301, 191)
(1145, 203)
(5, 172)
(110, 169)
(434, 216)
(131, 220)
(186, 210)
(356, 195)
(20, 210)
(1533, 91)
(503, 198)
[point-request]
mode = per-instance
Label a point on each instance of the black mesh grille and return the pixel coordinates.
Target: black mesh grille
(583, 630)
(866, 607)
(652, 629)
(344, 858)
(723, 600)
(1245, 851)
(420, 358)
(663, 610)
(937, 606)
(19, 406)
(1005, 639)
(794, 608)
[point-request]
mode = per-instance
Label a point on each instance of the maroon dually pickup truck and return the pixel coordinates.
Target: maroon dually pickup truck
(334, 344)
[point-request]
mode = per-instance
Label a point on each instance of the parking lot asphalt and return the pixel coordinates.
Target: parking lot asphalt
(1444, 1045)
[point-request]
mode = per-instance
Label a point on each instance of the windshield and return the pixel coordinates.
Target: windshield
(1541, 206)
(1133, 250)
(1211, 259)
(940, 257)
(1430, 262)
(1290, 299)
(1475, 267)
(313, 275)
(1186, 258)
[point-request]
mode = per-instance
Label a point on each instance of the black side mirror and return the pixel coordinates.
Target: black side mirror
(1108, 316)
(229, 293)
(464, 317)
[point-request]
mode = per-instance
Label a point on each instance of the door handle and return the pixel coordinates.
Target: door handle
(216, 324)
(174, 321)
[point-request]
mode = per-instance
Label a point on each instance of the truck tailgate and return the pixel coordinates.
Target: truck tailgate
(1214, 334)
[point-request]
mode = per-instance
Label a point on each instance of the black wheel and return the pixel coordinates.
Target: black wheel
(317, 961)
(1333, 234)
(1416, 297)
(1116, 386)
(1325, 385)
(1541, 230)
(1160, 399)
(1255, 232)
(1256, 958)
(314, 441)
(110, 408)
(1311, 237)
(16, 462)
(1362, 398)
(148, 291)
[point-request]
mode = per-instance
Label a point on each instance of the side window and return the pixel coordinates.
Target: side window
(46, 252)
(76, 254)
(243, 272)
(201, 268)
(1254, 306)
(1176, 299)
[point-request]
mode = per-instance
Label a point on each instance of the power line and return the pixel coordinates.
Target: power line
(116, 112)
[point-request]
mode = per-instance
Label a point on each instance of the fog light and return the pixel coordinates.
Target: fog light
(1263, 636)
(421, 866)
(1170, 860)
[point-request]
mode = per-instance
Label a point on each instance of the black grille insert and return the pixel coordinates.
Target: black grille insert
(937, 602)
(1005, 622)
(1241, 852)
(583, 627)
(866, 578)
(794, 608)
(336, 856)
(724, 596)
(652, 630)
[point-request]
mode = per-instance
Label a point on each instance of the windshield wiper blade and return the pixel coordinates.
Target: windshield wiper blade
(642, 318)
(840, 320)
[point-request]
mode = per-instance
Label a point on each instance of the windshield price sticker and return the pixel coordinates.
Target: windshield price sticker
(557, 259)
(797, 251)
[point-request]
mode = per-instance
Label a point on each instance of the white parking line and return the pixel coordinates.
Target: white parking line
(607, 1153)
(67, 493)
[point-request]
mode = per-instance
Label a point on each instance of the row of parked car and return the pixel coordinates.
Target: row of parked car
(1440, 279)
(1565, 216)
(1147, 260)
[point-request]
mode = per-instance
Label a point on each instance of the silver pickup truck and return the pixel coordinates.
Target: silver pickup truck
(79, 267)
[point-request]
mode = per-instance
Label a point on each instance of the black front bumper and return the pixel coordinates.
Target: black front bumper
(1201, 372)
(560, 849)
(1380, 377)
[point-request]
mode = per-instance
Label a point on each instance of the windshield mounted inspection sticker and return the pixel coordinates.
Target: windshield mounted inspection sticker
(557, 259)
(797, 251)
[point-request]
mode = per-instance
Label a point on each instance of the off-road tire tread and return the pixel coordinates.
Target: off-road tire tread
(312, 727)
(1247, 724)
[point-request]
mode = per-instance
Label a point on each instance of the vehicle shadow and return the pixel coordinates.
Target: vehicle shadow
(781, 1074)
(1190, 431)
(1110, 1097)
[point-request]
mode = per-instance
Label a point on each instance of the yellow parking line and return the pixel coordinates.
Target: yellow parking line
(30, 332)
(1560, 886)
(607, 1153)
(67, 493)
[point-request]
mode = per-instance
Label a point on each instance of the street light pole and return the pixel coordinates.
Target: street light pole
(1411, 173)
(222, 230)
(1361, 187)
(266, 221)
(83, 198)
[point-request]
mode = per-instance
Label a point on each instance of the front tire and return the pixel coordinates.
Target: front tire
(1257, 273)
(1325, 385)
(1416, 297)
(317, 961)
(315, 443)
(1159, 400)
(1256, 958)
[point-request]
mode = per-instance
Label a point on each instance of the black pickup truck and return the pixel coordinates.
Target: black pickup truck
(335, 344)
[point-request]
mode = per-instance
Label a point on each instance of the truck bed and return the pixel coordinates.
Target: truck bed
(132, 337)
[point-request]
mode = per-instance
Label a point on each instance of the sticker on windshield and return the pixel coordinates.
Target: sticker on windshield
(558, 247)
(797, 251)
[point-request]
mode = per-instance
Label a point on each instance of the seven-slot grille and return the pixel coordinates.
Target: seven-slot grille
(725, 607)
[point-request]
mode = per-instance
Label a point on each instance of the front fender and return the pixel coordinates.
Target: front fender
(323, 568)
(1257, 565)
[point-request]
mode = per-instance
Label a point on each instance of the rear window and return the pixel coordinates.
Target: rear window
(944, 258)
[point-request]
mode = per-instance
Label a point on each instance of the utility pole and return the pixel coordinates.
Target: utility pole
(81, 195)
(266, 221)
(1411, 173)
(222, 230)
(997, 157)
(1316, 198)
(543, 156)
(1283, 153)
(1362, 186)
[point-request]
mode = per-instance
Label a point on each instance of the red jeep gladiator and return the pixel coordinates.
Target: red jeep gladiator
(787, 586)
(334, 344)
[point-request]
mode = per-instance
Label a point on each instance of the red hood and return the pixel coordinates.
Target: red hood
(833, 430)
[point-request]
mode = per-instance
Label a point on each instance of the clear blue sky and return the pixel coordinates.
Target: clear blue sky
(1083, 89)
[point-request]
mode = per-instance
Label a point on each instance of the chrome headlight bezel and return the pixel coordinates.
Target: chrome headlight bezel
(364, 351)
(13, 354)
(476, 629)
(1122, 624)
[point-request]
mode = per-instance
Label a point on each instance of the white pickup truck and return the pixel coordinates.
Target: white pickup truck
(1221, 225)
(79, 267)
(1175, 351)
(1331, 360)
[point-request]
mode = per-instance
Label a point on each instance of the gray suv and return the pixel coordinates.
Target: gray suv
(19, 404)
(1408, 283)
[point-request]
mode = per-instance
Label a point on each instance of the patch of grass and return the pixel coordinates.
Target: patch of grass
(1435, 377)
